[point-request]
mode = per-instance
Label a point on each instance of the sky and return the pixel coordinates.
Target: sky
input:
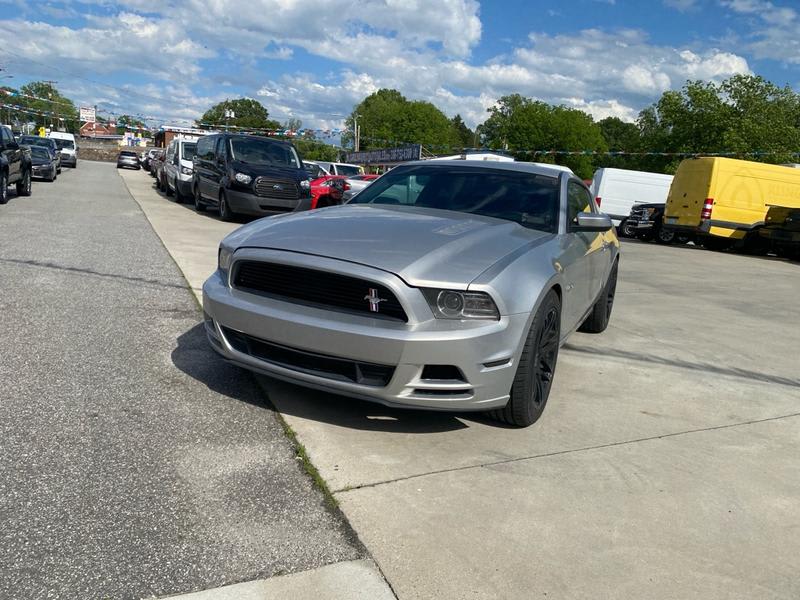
(314, 60)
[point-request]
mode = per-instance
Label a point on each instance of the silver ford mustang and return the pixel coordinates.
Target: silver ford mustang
(443, 285)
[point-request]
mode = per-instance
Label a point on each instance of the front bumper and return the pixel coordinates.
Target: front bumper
(43, 171)
(406, 347)
(69, 160)
(248, 203)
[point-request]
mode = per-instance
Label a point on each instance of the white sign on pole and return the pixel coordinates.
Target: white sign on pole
(88, 114)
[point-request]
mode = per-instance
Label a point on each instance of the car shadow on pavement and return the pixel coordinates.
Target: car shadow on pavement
(194, 356)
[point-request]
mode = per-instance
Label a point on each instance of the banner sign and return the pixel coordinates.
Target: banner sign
(88, 114)
(385, 155)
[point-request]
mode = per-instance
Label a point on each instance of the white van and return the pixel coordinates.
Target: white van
(618, 190)
(66, 147)
(337, 168)
(178, 168)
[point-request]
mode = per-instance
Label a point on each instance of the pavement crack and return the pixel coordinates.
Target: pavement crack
(562, 452)
(50, 265)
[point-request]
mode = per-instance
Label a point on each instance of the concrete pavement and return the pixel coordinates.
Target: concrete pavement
(134, 464)
(664, 466)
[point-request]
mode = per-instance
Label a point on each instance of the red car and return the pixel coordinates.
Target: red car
(328, 190)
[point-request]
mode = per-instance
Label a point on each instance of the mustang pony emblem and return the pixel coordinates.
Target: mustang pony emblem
(373, 299)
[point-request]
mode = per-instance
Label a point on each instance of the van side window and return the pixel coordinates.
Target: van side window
(578, 200)
(203, 146)
(220, 150)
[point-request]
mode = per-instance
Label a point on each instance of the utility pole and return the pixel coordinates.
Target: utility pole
(356, 133)
(54, 119)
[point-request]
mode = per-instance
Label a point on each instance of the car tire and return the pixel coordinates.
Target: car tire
(3, 188)
(627, 229)
(598, 319)
(716, 244)
(198, 200)
(178, 195)
(167, 191)
(24, 184)
(53, 177)
(225, 212)
(665, 236)
(534, 376)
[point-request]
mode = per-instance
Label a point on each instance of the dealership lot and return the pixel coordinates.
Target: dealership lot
(665, 465)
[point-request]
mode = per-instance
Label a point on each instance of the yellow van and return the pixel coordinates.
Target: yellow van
(726, 199)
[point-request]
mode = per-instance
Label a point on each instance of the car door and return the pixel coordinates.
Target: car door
(598, 253)
(219, 166)
(12, 152)
(169, 163)
(579, 255)
(205, 157)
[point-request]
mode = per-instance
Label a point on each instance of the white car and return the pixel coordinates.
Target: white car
(617, 191)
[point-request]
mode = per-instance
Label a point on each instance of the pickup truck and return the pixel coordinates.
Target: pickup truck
(15, 165)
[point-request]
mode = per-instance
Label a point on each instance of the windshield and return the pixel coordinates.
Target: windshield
(313, 169)
(126, 153)
(36, 141)
(187, 153)
(525, 198)
(263, 152)
(40, 152)
(347, 170)
(61, 144)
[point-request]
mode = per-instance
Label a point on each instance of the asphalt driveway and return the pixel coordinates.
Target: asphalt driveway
(134, 463)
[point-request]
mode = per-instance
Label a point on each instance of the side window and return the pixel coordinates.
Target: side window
(4, 137)
(578, 200)
(220, 150)
(202, 146)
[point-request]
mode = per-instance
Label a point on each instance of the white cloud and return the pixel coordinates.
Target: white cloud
(777, 36)
(422, 48)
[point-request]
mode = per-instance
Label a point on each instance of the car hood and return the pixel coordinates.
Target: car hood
(39, 161)
(267, 170)
(422, 246)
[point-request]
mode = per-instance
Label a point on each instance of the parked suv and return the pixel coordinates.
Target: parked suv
(646, 222)
(15, 165)
(178, 168)
(249, 175)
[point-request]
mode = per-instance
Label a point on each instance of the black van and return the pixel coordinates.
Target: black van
(249, 175)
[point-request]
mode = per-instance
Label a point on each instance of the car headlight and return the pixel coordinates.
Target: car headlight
(186, 170)
(224, 259)
(243, 178)
(305, 184)
(452, 304)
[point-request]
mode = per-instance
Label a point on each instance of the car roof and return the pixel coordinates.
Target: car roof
(523, 167)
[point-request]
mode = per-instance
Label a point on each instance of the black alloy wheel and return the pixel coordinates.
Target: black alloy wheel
(225, 213)
(3, 188)
(198, 201)
(665, 236)
(537, 367)
(24, 184)
(628, 230)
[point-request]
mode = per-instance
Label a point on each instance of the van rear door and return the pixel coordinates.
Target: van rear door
(688, 192)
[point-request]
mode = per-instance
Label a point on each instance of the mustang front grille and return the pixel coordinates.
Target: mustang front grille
(312, 363)
(318, 288)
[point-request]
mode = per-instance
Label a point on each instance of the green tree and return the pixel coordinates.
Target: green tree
(522, 126)
(293, 125)
(125, 122)
(745, 115)
(44, 97)
(620, 136)
(386, 118)
(466, 137)
(248, 114)
(312, 149)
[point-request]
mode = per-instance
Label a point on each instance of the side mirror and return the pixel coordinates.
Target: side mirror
(598, 222)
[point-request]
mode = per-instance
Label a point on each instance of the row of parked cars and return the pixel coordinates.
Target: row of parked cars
(720, 203)
(239, 174)
(27, 157)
